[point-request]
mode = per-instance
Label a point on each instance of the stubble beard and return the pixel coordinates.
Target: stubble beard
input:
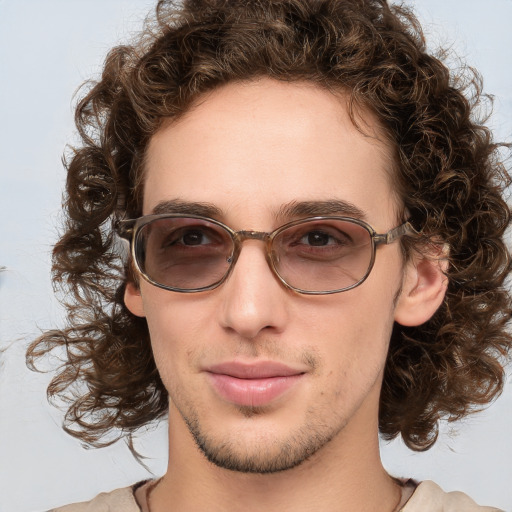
(281, 455)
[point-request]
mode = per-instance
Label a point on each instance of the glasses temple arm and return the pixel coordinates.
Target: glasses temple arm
(124, 228)
(394, 234)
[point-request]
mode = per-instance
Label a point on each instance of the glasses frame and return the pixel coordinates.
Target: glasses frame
(129, 229)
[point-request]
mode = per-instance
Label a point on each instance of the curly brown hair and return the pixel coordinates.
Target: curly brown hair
(449, 176)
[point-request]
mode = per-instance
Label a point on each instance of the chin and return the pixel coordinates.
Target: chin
(264, 452)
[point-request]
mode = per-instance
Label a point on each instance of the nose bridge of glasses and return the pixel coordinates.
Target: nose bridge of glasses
(251, 235)
(241, 236)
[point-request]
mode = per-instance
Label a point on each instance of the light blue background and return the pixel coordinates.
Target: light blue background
(47, 48)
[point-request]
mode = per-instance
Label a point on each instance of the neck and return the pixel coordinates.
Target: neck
(346, 474)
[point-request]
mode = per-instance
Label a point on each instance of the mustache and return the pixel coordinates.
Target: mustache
(267, 348)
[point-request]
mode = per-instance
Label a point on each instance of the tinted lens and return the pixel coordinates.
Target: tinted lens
(323, 255)
(183, 253)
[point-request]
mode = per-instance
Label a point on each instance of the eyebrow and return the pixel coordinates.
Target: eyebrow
(188, 208)
(294, 209)
(319, 208)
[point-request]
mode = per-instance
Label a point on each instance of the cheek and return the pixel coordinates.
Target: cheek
(354, 359)
(360, 347)
(171, 327)
(352, 329)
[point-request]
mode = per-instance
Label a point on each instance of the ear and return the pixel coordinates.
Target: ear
(424, 286)
(133, 299)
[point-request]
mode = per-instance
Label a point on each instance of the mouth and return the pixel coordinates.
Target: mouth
(253, 385)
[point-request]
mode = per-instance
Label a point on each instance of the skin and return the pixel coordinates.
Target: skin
(250, 150)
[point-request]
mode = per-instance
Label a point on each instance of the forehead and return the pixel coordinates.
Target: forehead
(255, 146)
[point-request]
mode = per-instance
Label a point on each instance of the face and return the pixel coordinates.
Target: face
(259, 377)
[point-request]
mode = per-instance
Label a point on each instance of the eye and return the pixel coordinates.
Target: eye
(319, 238)
(326, 241)
(166, 235)
(192, 237)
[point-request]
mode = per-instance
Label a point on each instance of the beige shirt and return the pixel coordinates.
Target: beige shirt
(428, 497)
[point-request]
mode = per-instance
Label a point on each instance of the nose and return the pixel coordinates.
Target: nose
(253, 298)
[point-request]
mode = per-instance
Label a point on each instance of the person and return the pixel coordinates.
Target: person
(316, 228)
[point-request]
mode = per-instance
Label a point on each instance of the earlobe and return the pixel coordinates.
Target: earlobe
(133, 299)
(423, 290)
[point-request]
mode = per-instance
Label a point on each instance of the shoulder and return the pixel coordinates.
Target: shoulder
(429, 497)
(120, 500)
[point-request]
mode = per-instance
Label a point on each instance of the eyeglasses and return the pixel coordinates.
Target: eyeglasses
(316, 255)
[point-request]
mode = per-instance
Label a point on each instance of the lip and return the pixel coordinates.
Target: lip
(255, 384)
